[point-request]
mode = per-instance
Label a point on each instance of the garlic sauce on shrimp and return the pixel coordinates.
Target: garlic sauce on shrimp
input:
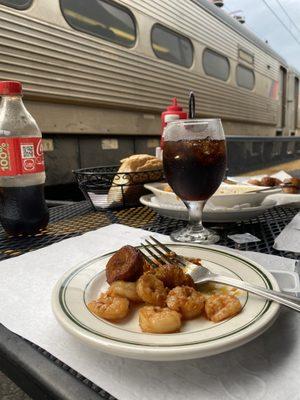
(222, 306)
(124, 289)
(108, 307)
(187, 301)
(172, 276)
(151, 290)
(159, 320)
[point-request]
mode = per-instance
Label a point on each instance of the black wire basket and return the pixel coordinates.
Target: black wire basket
(105, 187)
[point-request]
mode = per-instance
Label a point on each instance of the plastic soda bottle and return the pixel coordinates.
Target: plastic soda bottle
(23, 209)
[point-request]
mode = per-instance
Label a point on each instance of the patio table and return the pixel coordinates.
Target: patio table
(42, 375)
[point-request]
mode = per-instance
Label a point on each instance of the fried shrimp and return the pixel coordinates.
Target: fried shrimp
(173, 276)
(187, 301)
(159, 320)
(108, 307)
(124, 289)
(151, 290)
(222, 306)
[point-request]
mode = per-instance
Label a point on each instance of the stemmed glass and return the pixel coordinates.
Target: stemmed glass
(194, 160)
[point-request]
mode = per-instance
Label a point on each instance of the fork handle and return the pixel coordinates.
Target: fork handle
(286, 300)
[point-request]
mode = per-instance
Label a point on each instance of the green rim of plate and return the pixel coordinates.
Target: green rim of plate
(178, 333)
(64, 307)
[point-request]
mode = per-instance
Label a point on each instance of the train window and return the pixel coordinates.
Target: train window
(246, 56)
(245, 77)
(19, 4)
(215, 64)
(171, 46)
(102, 18)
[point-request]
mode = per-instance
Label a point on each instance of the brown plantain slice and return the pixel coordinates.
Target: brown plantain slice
(127, 264)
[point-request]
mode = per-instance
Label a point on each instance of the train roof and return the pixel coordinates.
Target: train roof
(239, 28)
(295, 71)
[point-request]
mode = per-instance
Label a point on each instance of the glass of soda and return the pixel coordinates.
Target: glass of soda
(194, 159)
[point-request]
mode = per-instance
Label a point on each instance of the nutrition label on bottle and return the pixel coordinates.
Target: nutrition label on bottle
(20, 156)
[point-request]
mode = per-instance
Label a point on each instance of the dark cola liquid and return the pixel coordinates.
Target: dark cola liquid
(23, 210)
(194, 168)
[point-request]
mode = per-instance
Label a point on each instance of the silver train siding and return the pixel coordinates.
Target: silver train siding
(97, 101)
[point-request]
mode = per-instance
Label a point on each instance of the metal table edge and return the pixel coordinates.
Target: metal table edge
(42, 378)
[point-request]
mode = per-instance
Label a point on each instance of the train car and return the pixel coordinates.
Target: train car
(98, 73)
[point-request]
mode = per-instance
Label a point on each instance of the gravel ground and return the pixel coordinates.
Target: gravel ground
(9, 391)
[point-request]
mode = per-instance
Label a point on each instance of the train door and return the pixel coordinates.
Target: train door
(296, 102)
(282, 98)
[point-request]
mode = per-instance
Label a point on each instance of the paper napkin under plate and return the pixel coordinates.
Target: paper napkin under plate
(267, 368)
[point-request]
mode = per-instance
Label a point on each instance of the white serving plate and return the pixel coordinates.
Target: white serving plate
(217, 200)
(279, 196)
(198, 337)
(244, 180)
(209, 215)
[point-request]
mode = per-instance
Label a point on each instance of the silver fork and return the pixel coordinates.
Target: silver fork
(159, 253)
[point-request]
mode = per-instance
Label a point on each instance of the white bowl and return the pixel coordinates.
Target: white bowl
(227, 196)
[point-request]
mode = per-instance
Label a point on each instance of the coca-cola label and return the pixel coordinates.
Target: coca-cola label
(21, 155)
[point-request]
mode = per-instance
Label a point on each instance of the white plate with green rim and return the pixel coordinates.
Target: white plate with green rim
(197, 338)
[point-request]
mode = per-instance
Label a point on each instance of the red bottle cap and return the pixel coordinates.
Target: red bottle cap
(10, 88)
(174, 106)
(173, 109)
(173, 112)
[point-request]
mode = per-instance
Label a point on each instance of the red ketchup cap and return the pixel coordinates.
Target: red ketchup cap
(173, 109)
(10, 88)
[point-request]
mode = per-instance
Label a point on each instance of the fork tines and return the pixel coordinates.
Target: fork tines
(160, 254)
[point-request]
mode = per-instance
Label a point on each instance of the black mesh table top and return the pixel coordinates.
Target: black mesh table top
(72, 220)
(38, 372)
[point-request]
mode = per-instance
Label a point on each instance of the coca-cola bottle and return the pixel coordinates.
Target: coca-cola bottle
(23, 208)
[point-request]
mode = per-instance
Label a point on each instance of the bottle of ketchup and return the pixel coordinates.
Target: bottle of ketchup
(172, 113)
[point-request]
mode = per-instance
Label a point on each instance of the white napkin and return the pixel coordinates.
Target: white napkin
(282, 175)
(289, 237)
(267, 368)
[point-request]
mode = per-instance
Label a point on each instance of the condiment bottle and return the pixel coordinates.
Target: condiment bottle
(172, 113)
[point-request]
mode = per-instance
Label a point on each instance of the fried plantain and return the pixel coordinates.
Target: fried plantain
(127, 264)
